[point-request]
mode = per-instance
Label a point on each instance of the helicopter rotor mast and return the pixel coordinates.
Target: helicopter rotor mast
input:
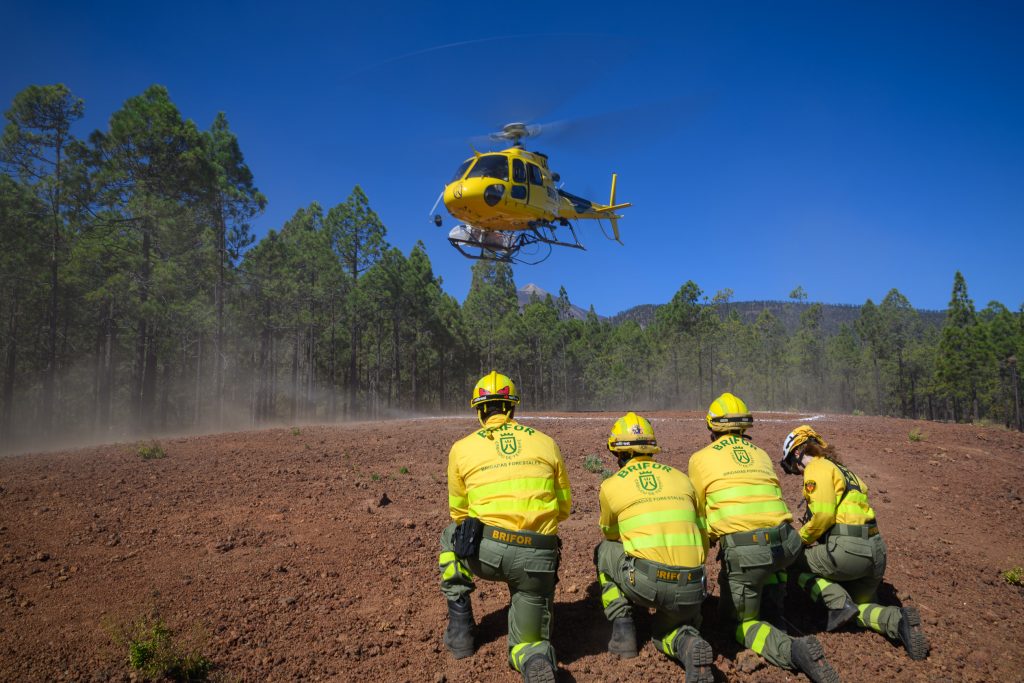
(514, 132)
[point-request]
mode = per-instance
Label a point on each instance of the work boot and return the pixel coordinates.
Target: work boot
(911, 634)
(696, 656)
(458, 637)
(623, 640)
(838, 618)
(538, 669)
(809, 658)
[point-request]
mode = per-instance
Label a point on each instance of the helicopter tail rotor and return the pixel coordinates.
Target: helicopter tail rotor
(611, 202)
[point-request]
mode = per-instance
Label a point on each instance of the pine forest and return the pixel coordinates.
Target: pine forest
(135, 300)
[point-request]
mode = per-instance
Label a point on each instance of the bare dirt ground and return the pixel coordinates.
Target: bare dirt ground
(274, 547)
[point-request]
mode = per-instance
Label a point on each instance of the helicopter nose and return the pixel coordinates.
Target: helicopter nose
(465, 199)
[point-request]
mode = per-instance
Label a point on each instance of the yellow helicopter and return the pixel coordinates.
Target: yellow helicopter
(507, 200)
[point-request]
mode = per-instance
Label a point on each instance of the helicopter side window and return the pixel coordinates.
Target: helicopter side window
(490, 166)
(518, 171)
(462, 170)
(536, 177)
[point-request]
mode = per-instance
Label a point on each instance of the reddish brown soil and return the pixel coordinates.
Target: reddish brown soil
(273, 545)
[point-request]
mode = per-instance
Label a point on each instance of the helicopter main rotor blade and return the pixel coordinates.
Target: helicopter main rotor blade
(649, 121)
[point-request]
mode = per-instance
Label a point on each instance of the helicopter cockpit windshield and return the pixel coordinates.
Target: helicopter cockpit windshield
(490, 166)
(462, 170)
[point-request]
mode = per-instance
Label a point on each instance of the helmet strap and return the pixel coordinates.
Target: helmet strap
(624, 457)
(485, 411)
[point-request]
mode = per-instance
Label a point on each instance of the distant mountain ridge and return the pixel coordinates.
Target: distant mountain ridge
(526, 293)
(788, 312)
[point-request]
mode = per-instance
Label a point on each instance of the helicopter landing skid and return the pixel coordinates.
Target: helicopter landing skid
(505, 246)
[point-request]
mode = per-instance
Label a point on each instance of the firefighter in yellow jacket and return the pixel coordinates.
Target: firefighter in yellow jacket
(738, 493)
(654, 552)
(507, 492)
(845, 560)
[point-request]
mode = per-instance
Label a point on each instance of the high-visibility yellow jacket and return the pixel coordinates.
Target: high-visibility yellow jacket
(509, 475)
(832, 496)
(652, 508)
(737, 488)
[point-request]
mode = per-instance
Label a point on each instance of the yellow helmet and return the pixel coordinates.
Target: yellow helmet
(796, 438)
(729, 413)
(633, 433)
(494, 386)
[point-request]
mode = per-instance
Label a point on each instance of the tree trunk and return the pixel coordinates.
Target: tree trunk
(107, 380)
(396, 364)
(10, 370)
(1019, 418)
(295, 375)
(141, 399)
(353, 378)
(878, 385)
(218, 296)
(197, 411)
(332, 367)
(166, 385)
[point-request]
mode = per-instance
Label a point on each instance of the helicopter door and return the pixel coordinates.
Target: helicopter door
(537, 195)
(519, 188)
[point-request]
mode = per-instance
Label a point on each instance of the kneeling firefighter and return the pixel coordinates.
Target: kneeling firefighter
(845, 560)
(738, 493)
(654, 552)
(507, 492)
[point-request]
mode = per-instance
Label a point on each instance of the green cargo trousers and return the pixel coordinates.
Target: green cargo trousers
(676, 596)
(750, 566)
(531, 574)
(842, 567)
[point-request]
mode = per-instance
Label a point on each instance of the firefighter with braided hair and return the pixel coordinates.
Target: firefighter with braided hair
(507, 492)
(845, 558)
(654, 551)
(738, 493)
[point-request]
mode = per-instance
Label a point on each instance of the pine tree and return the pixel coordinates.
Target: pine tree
(35, 145)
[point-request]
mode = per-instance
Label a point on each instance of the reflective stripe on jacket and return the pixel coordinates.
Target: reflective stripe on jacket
(824, 489)
(651, 507)
(736, 487)
(509, 476)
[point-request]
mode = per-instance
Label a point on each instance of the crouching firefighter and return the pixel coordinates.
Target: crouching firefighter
(845, 560)
(654, 552)
(738, 493)
(507, 492)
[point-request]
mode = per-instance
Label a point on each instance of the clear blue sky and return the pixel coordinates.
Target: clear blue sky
(849, 147)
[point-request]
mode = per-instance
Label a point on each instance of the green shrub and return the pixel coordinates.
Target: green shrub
(606, 473)
(296, 431)
(915, 435)
(403, 470)
(156, 654)
(593, 463)
(375, 477)
(1014, 577)
(152, 451)
(858, 413)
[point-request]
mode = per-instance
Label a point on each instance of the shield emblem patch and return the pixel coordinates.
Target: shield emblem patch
(741, 456)
(648, 482)
(508, 444)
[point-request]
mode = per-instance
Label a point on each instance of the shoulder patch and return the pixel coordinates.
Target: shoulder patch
(810, 486)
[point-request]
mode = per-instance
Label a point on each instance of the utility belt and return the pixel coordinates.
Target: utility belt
(866, 530)
(523, 539)
(769, 536)
(657, 571)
